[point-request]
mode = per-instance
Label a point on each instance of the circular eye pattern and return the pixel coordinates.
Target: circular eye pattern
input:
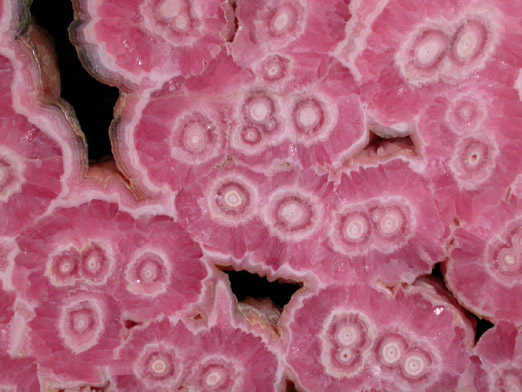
(392, 220)
(313, 119)
(176, 13)
(308, 115)
(63, 267)
(503, 257)
(95, 264)
(351, 231)
(292, 214)
(148, 274)
(416, 364)
(469, 41)
(466, 113)
(259, 109)
(158, 366)
(473, 161)
(509, 261)
(249, 139)
(345, 341)
(348, 330)
(232, 200)
(390, 350)
(251, 135)
(195, 139)
(10, 175)
(274, 68)
(81, 324)
(284, 19)
(429, 49)
(355, 227)
(216, 375)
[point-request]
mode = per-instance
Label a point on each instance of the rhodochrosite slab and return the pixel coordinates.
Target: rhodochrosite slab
(219, 354)
(74, 335)
(470, 137)
(487, 258)
(230, 115)
(359, 337)
(383, 225)
(378, 224)
(265, 135)
(148, 263)
(287, 28)
(394, 48)
(142, 43)
(38, 147)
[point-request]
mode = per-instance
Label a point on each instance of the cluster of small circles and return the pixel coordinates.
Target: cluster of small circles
(346, 342)
(159, 365)
(92, 264)
(412, 362)
(373, 223)
(348, 339)
(173, 20)
(436, 53)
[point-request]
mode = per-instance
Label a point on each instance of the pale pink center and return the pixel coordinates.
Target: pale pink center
(80, 325)
(95, 263)
(391, 349)
(175, 12)
(258, 109)
(216, 375)
(283, 19)
(345, 355)
(509, 260)
(294, 213)
(347, 335)
(149, 270)
(416, 364)
(390, 221)
(157, 366)
(430, 48)
(356, 227)
(275, 68)
(308, 115)
(195, 137)
(251, 135)
(470, 41)
(474, 155)
(63, 267)
(466, 111)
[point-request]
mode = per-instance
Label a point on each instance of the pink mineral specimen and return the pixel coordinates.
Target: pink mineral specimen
(358, 337)
(367, 151)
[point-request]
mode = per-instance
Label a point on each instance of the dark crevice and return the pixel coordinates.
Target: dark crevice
(232, 36)
(246, 285)
(290, 387)
(130, 323)
(437, 273)
(388, 147)
(482, 326)
(92, 101)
